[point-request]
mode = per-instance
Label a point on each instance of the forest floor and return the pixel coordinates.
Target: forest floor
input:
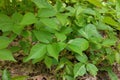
(39, 72)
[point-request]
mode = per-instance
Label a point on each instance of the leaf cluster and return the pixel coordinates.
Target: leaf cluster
(76, 36)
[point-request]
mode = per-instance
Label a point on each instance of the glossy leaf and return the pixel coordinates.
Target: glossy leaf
(111, 21)
(5, 23)
(118, 8)
(78, 45)
(45, 12)
(117, 57)
(54, 49)
(4, 42)
(60, 36)
(48, 61)
(62, 18)
(6, 55)
(109, 42)
(42, 3)
(82, 58)
(79, 69)
(50, 22)
(96, 3)
(28, 18)
(92, 69)
(16, 18)
(43, 36)
(90, 32)
(37, 51)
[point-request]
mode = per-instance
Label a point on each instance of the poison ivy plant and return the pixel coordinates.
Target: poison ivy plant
(77, 37)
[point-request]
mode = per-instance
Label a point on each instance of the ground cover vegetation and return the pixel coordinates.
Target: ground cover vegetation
(73, 37)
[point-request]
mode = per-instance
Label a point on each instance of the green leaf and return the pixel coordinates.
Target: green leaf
(118, 2)
(20, 78)
(118, 8)
(69, 68)
(82, 58)
(16, 18)
(109, 42)
(37, 51)
(62, 63)
(5, 23)
(111, 58)
(59, 5)
(112, 75)
(6, 75)
(97, 3)
(89, 11)
(48, 61)
(60, 36)
(14, 48)
(79, 10)
(54, 49)
(90, 32)
(50, 22)
(38, 59)
(68, 77)
(103, 26)
(78, 45)
(42, 3)
(79, 70)
(66, 30)
(6, 55)
(4, 42)
(92, 69)
(45, 12)
(43, 36)
(117, 57)
(111, 21)
(62, 18)
(28, 18)
(1, 3)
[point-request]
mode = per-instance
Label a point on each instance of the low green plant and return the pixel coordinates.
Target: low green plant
(76, 36)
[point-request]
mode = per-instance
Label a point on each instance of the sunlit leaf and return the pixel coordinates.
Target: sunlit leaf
(45, 12)
(60, 36)
(43, 36)
(6, 55)
(37, 51)
(111, 21)
(6, 23)
(28, 18)
(78, 45)
(82, 58)
(96, 3)
(4, 42)
(54, 49)
(92, 69)
(79, 69)
(50, 22)
(42, 3)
